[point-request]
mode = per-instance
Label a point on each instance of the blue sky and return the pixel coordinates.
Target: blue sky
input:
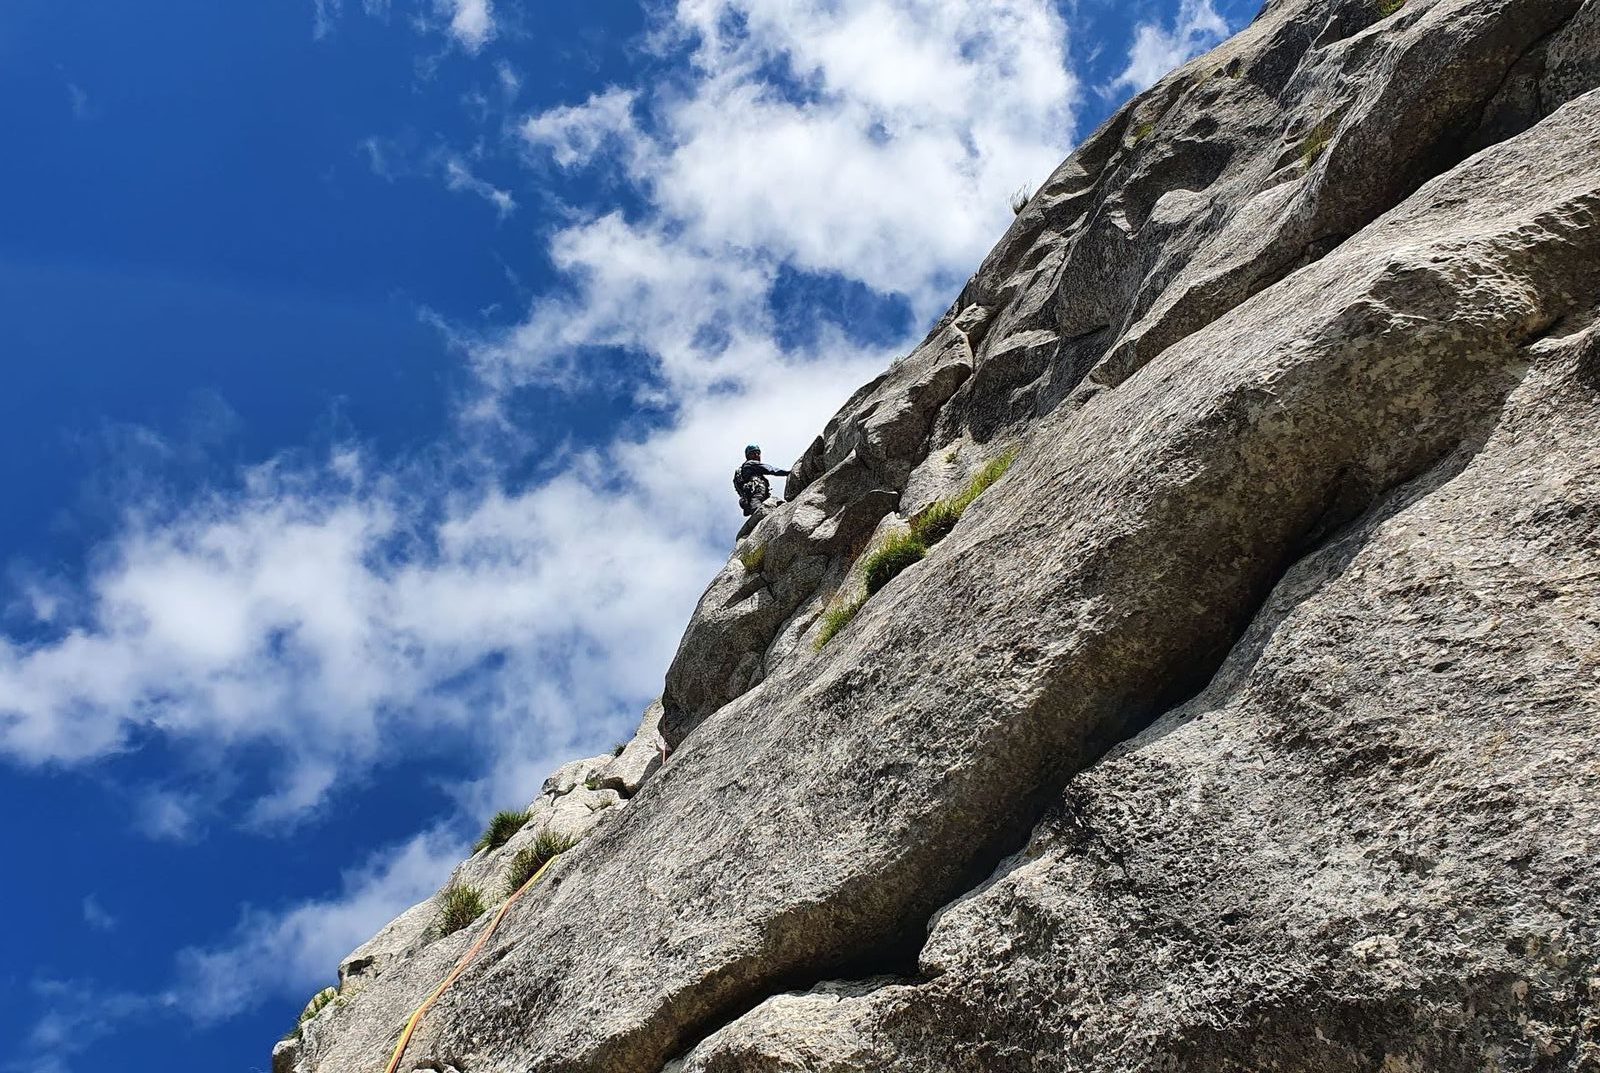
(373, 369)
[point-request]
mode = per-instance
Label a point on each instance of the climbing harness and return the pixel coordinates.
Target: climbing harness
(461, 966)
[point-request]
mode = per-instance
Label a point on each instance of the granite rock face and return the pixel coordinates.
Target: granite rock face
(1245, 724)
(1360, 848)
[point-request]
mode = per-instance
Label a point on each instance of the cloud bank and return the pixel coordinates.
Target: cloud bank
(336, 610)
(1157, 49)
(337, 613)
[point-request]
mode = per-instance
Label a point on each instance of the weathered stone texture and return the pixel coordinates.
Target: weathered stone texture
(1369, 845)
(1305, 389)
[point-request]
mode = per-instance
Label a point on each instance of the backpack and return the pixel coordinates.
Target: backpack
(753, 488)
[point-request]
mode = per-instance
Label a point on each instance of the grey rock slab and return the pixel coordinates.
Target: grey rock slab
(1369, 845)
(847, 482)
(571, 775)
(827, 814)
(742, 612)
(398, 940)
(1001, 390)
(942, 474)
(640, 758)
(1571, 62)
(573, 815)
(889, 428)
(1230, 174)
(1244, 166)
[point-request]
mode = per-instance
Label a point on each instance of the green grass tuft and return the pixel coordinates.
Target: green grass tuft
(753, 558)
(986, 477)
(836, 618)
(529, 859)
(885, 562)
(1143, 130)
(935, 523)
(314, 1007)
(900, 550)
(505, 824)
(1316, 142)
(318, 1002)
(459, 905)
(1388, 7)
(616, 750)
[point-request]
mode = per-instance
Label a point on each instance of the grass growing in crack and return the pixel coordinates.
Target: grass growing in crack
(529, 859)
(616, 750)
(935, 523)
(1143, 131)
(836, 618)
(1316, 142)
(900, 550)
(1388, 7)
(752, 559)
(318, 1002)
(885, 562)
(985, 478)
(1019, 200)
(459, 905)
(505, 824)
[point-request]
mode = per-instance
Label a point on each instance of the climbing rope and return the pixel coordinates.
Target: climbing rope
(461, 966)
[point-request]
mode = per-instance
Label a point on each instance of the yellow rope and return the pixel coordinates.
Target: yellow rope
(461, 966)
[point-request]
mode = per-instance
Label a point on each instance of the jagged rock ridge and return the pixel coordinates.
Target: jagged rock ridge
(1247, 723)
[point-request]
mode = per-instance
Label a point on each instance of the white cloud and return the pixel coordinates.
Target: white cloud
(901, 105)
(459, 177)
(324, 13)
(379, 153)
(270, 954)
(471, 21)
(639, 289)
(295, 950)
(305, 614)
(168, 816)
(338, 613)
(78, 98)
(575, 134)
(510, 81)
(95, 915)
(76, 1016)
(1156, 49)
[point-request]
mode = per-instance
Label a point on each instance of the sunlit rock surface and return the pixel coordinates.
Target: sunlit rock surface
(1247, 723)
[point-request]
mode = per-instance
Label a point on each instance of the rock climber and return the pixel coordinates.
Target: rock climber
(750, 480)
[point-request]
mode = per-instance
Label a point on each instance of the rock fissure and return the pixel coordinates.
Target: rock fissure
(898, 962)
(1194, 719)
(1087, 829)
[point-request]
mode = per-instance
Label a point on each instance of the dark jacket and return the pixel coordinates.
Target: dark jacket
(753, 468)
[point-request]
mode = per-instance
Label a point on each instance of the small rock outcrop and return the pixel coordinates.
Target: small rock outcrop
(1246, 723)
